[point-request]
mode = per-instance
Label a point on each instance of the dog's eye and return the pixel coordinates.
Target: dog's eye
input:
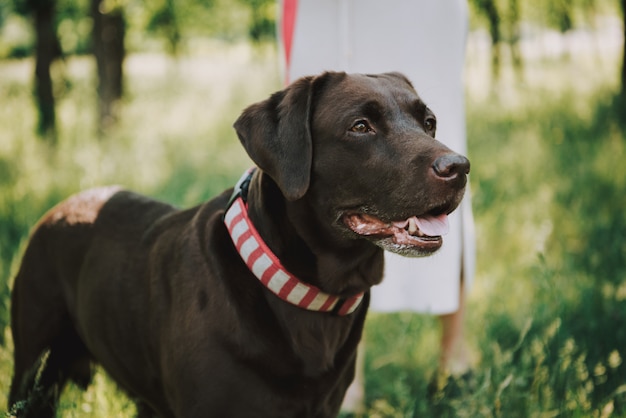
(361, 127)
(430, 123)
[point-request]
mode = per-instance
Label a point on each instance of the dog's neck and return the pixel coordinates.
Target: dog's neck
(267, 267)
(310, 247)
(286, 228)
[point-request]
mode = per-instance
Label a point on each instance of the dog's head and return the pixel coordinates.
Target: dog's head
(362, 149)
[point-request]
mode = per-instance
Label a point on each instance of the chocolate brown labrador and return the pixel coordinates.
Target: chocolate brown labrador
(251, 304)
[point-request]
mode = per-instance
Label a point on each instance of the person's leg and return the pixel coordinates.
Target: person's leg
(354, 401)
(454, 357)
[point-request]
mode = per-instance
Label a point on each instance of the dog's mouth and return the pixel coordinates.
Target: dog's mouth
(415, 236)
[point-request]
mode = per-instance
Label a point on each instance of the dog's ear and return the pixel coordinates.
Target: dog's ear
(276, 134)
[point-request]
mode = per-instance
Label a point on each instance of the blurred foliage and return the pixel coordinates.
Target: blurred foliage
(510, 21)
(172, 21)
(263, 15)
(562, 15)
(184, 19)
(178, 24)
(71, 21)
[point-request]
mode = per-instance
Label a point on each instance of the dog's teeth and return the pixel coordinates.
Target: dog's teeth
(413, 226)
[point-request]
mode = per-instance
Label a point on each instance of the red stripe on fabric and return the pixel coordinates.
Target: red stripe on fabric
(267, 275)
(344, 308)
(243, 238)
(328, 305)
(287, 288)
(254, 256)
(288, 24)
(347, 305)
(308, 298)
(234, 222)
(263, 245)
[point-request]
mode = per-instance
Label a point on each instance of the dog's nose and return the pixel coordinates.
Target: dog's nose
(451, 166)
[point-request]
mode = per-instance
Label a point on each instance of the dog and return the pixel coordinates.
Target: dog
(253, 303)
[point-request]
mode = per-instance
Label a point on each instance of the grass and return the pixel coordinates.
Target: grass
(547, 314)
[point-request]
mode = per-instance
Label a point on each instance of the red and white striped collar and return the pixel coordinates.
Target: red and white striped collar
(268, 269)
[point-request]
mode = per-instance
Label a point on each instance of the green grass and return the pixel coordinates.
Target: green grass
(547, 314)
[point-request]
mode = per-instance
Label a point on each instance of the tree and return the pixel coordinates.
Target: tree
(108, 48)
(165, 20)
(262, 24)
(490, 11)
(502, 18)
(47, 49)
(623, 92)
(109, 30)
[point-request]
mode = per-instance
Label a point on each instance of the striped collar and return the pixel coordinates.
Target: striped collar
(268, 268)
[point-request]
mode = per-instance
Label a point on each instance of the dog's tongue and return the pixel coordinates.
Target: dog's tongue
(433, 226)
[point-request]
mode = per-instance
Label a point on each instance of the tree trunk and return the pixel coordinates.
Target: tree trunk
(108, 45)
(489, 8)
(624, 54)
(515, 37)
(46, 50)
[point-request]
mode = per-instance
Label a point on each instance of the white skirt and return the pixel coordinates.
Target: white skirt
(425, 40)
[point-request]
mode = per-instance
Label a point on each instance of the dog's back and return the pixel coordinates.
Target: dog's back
(44, 318)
